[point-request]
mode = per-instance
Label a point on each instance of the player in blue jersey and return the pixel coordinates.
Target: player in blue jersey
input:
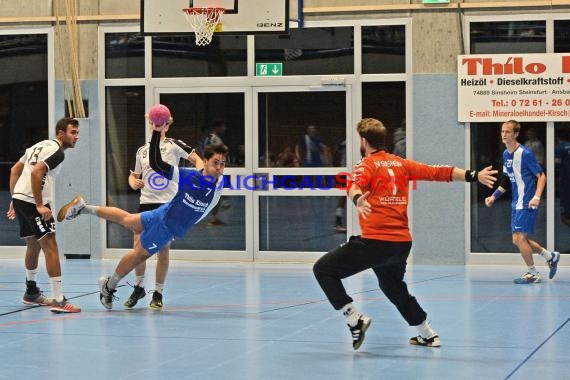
(198, 193)
(527, 180)
(152, 197)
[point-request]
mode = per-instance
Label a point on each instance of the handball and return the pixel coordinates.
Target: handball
(159, 114)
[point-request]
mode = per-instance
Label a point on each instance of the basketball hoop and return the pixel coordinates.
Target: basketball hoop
(203, 21)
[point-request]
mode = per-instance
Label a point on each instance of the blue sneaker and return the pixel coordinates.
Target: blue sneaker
(528, 278)
(553, 264)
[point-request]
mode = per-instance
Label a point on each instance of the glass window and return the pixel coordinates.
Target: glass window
(491, 227)
(23, 111)
(308, 222)
(561, 36)
(505, 37)
(124, 55)
(199, 116)
(562, 187)
(178, 56)
(383, 49)
(386, 101)
(302, 129)
(309, 51)
(124, 134)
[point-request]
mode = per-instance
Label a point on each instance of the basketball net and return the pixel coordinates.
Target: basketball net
(203, 21)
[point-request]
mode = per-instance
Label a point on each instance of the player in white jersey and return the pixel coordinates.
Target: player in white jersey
(198, 193)
(155, 191)
(32, 188)
(527, 180)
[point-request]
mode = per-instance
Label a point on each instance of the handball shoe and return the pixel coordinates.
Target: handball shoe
(156, 303)
(36, 298)
(431, 342)
(64, 307)
(136, 295)
(359, 330)
(553, 264)
(528, 278)
(106, 295)
(71, 210)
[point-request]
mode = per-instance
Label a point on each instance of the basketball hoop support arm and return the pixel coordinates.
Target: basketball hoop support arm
(300, 20)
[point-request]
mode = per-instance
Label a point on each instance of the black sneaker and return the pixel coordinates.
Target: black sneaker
(431, 342)
(138, 293)
(156, 303)
(359, 330)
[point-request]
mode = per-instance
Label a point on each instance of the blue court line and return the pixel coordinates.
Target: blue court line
(536, 349)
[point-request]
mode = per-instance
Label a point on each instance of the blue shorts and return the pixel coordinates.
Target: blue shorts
(523, 220)
(155, 235)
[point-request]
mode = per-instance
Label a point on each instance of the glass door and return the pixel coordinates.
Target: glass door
(199, 114)
(302, 137)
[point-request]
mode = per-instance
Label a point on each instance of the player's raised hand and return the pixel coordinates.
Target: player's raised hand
(487, 176)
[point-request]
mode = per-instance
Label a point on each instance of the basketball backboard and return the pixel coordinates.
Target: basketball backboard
(241, 16)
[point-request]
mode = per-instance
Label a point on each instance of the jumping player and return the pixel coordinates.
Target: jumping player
(198, 192)
(151, 198)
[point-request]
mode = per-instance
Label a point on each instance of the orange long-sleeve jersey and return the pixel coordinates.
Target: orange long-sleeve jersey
(388, 179)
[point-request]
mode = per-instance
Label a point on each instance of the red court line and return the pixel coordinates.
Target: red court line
(35, 321)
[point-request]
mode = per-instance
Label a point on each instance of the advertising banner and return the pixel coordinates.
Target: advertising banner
(524, 87)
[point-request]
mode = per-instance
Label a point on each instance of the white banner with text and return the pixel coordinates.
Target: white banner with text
(524, 87)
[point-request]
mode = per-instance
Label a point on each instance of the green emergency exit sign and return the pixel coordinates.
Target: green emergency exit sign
(268, 69)
(435, 1)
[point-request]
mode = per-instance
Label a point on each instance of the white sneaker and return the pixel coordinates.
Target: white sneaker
(106, 296)
(71, 210)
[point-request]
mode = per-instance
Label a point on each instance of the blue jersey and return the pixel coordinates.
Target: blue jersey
(522, 168)
(196, 197)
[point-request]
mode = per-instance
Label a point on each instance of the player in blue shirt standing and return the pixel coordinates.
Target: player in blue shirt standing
(198, 193)
(527, 180)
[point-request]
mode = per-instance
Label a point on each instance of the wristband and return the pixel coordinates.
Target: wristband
(498, 194)
(355, 199)
(471, 175)
(535, 197)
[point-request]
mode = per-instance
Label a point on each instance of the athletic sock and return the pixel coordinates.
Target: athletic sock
(532, 270)
(139, 281)
(56, 288)
(425, 330)
(546, 254)
(113, 281)
(31, 274)
(158, 287)
(351, 314)
(89, 209)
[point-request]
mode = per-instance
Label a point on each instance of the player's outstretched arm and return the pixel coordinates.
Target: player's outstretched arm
(155, 157)
(486, 176)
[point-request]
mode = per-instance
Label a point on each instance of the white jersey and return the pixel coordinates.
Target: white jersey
(51, 154)
(156, 189)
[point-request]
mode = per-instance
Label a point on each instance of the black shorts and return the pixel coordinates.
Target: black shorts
(30, 220)
(149, 206)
